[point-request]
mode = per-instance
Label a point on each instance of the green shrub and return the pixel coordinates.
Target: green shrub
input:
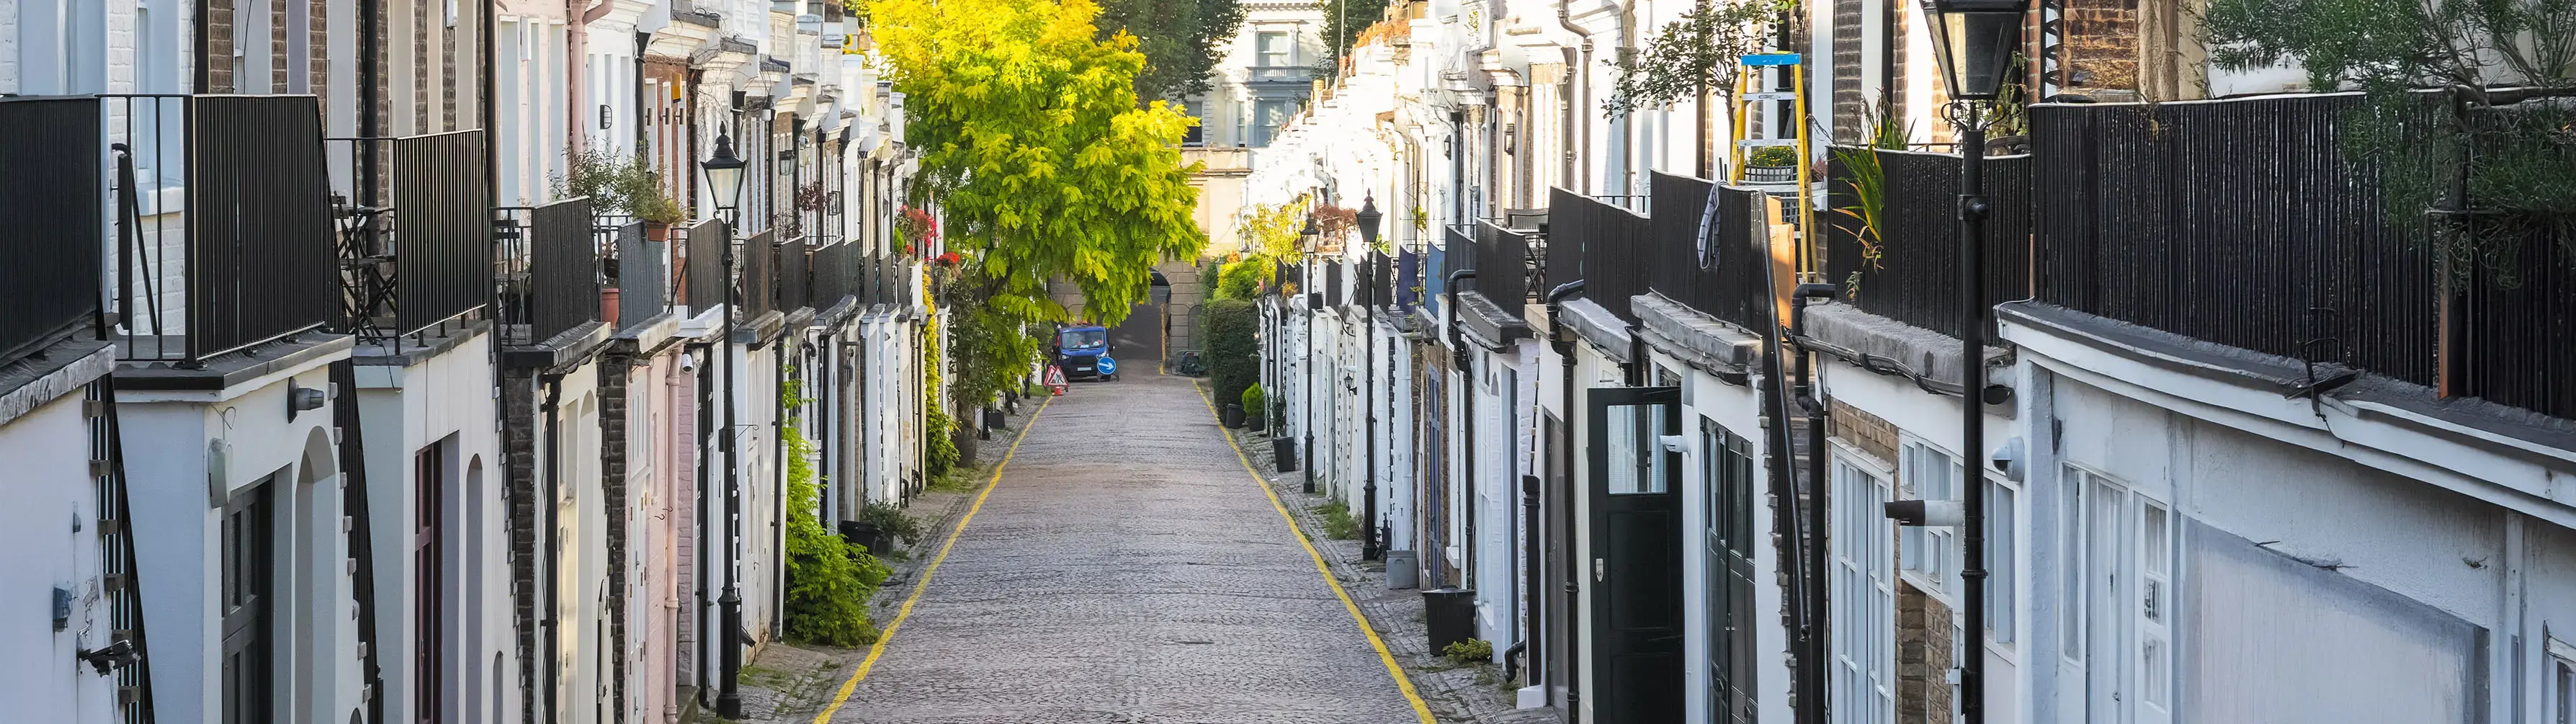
(1231, 325)
(1254, 400)
(1470, 651)
(943, 445)
(893, 520)
(1773, 156)
(1338, 523)
(829, 581)
(1242, 279)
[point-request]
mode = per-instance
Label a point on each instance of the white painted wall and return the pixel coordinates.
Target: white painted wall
(51, 528)
(403, 410)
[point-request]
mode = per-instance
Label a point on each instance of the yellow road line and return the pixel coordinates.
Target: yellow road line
(1402, 682)
(878, 649)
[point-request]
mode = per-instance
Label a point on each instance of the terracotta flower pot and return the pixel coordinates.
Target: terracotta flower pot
(608, 306)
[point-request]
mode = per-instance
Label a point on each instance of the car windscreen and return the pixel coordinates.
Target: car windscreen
(1083, 338)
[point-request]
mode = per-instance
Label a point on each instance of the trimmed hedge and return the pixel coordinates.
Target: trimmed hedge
(1231, 327)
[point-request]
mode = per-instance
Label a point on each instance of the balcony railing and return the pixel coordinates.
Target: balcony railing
(1715, 260)
(547, 278)
(2245, 223)
(51, 281)
(223, 215)
(703, 283)
(793, 283)
(836, 274)
(414, 258)
(1916, 277)
(643, 275)
(759, 278)
(1333, 292)
(1603, 245)
(1501, 258)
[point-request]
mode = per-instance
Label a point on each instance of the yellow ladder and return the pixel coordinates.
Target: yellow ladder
(1740, 147)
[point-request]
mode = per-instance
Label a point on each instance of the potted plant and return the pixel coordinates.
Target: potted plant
(1772, 165)
(1256, 413)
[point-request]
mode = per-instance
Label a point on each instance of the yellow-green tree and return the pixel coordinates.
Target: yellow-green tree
(1033, 144)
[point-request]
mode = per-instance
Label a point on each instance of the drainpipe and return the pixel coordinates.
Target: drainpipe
(553, 465)
(1807, 677)
(1466, 400)
(778, 352)
(491, 115)
(1563, 343)
(1578, 62)
(706, 503)
(1312, 299)
(1805, 392)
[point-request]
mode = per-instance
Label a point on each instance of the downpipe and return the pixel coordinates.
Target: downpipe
(1373, 542)
(1818, 631)
(1465, 363)
(1563, 343)
(553, 465)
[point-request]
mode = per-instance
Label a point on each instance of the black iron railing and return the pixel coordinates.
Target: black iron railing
(702, 282)
(1915, 278)
(1605, 246)
(1333, 282)
(50, 284)
(836, 274)
(2246, 223)
(1501, 258)
(416, 258)
(2241, 223)
(225, 234)
(643, 276)
(1714, 259)
(793, 283)
(549, 280)
(759, 278)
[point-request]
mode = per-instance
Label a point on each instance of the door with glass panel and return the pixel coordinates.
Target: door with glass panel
(2119, 626)
(1636, 538)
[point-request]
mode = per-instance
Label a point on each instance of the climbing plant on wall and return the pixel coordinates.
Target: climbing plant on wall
(829, 579)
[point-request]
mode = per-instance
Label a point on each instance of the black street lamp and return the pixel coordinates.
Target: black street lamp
(1372, 545)
(1976, 40)
(1309, 239)
(724, 183)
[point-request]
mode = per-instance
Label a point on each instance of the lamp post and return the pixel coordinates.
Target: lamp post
(1308, 240)
(1372, 545)
(724, 182)
(1975, 40)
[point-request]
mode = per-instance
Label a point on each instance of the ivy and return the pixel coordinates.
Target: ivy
(829, 579)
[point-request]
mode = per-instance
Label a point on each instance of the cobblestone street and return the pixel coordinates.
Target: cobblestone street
(1126, 569)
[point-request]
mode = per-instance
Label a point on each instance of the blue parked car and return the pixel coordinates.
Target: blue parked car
(1084, 352)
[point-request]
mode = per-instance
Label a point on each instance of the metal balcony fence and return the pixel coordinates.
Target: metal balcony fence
(1715, 259)
(793, 283)
(2237, 223)
(836, 274)
(415, 251)
(1333, 282)
(223, 218)
(643, 275)
(1501, 258)
(703, 277)
(51, 283)
(2248, 224)
(1915, 280)
(757, 294)
(1605, 246)
(548, 270)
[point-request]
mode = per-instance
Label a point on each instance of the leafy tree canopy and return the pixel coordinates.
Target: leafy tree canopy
(1696, 53)
(1182, 40)
(1034, 146)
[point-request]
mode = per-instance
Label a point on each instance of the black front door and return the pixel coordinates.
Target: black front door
(1636, 551)
(244, 606)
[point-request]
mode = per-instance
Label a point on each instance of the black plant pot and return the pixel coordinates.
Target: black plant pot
(1233, 416)
(1283, 451)
(1256, 422)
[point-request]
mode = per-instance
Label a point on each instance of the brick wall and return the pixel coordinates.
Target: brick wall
(1863, 430)
(615, 369)
(2101, 48)
(1850, 102)
(519, 448)
(219, 46)
(1923, 658)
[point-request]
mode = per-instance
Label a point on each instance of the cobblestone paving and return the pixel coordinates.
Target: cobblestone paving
(1126, 570)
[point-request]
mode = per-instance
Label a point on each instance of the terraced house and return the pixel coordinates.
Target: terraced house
(346, 393)
(1687, 417)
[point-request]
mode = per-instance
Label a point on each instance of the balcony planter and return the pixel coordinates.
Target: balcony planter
(608, 306)
(1233, 416)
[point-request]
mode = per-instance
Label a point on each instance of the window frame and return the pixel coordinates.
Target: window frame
(1877, 682)
(1262, 53)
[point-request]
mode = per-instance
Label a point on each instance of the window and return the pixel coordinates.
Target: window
(429, 479)
(1863, 684)
(1726, 465)
(243, 605)
(2562, 668)
(2118, 615)
(1268, 114)
(1272, 49)
(1931, 551)
(2002, 512)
